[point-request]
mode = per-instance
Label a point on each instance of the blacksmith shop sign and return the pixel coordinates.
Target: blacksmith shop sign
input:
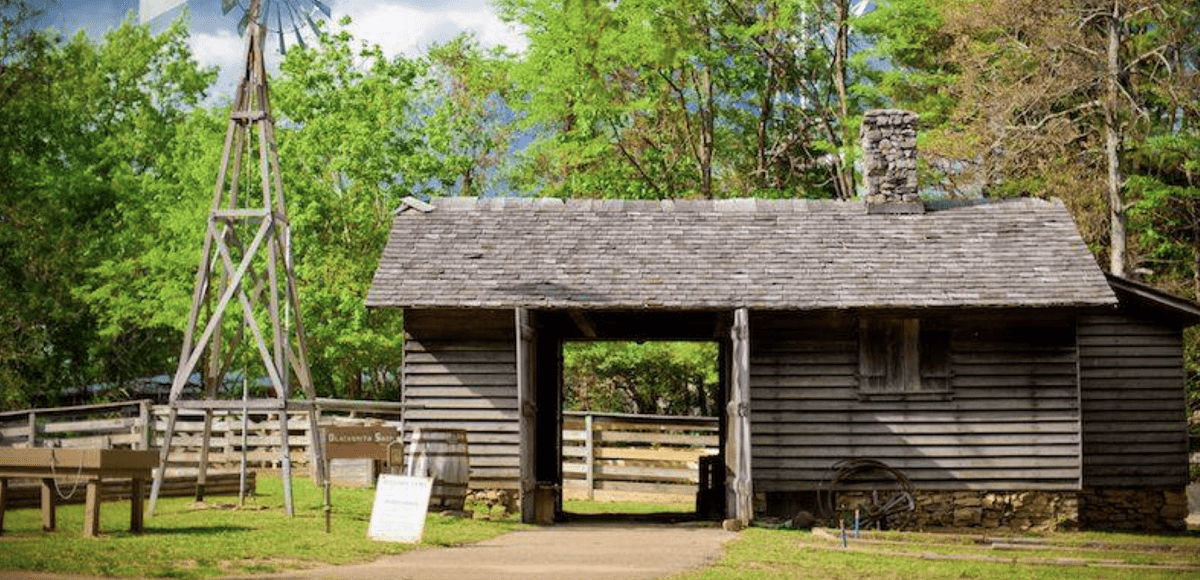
(359, 442)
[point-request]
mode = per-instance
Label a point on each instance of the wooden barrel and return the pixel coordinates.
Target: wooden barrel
(442, 455)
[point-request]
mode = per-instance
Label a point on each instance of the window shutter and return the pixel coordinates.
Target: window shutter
(872, 356)
(935, 360)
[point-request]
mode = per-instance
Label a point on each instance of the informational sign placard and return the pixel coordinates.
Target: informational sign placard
(398, 514)
(359, 442)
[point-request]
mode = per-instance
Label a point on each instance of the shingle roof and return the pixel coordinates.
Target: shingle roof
(760, 254)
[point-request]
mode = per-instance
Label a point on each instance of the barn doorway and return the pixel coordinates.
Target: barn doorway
(545, 336)
(639, 427)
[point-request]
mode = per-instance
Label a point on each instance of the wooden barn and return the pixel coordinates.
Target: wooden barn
(976, 348)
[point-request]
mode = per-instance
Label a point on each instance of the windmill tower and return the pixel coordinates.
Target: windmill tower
(245, 308)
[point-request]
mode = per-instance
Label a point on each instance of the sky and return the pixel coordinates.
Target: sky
(398, 26)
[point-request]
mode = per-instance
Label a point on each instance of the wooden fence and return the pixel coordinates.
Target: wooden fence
(124, 426)
(610, 452)
(635, 453)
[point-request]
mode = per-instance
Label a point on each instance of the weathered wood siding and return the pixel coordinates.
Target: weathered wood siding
(460, 367)
(1011, 420)
(1132, 384)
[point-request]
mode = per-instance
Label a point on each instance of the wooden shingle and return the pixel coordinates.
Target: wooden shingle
(759, 254)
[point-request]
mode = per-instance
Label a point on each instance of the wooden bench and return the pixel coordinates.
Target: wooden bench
(87, 465)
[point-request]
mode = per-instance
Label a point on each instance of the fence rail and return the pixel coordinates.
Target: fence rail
(607, 452)
(635, 453)
(124, 426)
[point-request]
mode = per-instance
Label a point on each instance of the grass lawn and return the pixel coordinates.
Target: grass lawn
(584, 506)
(762, 554)
(187, 541)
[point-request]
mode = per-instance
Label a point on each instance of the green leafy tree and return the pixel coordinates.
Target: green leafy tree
(469, 125)
(707, 98)
(350, 150)
(86, 126)
(664, 378)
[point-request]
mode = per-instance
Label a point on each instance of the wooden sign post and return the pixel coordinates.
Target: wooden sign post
(371, 442)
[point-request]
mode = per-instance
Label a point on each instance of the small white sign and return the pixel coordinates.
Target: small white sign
(398, 514)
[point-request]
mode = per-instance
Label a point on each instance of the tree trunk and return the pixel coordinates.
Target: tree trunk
(1116, 206)
(841, 51)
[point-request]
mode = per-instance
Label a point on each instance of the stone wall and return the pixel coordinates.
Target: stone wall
(1134, 509)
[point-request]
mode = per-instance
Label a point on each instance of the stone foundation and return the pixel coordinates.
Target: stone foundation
(1147, 510)
(1012, 510)
(508, 499)
(1151, 509)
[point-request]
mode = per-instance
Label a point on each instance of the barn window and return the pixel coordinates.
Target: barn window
(903, 358)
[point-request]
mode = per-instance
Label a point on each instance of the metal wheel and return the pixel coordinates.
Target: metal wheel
(889, 496)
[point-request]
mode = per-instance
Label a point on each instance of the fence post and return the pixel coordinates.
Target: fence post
(589, 456)
(32, 430)
(147, 422)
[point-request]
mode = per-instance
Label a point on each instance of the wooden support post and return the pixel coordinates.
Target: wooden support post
(32, 439)
(527, 404)
(589, 452)
(49, 504)
(3, 501)
(285, 448)
(135, 505)
(172, 414)
(739, 488)
(202, 467)
(146, 420)
(91, 510)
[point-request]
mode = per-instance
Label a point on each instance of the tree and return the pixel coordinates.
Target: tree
(350, 150)
(664, 378)
(1045, 99)
(469, 124)
(708, 98)
(85, 128)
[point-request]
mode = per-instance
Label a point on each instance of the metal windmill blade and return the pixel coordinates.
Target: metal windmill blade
(281, 18)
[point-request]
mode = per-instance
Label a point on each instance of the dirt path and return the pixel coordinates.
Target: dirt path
(581, 551)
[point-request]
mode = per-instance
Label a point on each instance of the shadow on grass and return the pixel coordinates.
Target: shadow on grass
(195, 530)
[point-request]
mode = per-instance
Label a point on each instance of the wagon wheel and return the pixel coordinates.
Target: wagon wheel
(890, 504)
(891, 508)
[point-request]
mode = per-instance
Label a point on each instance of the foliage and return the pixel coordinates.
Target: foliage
(186, 541)
(110, 156)
(349, 150)
(86, 128)
(664, 378)
(655, 99)
(468, 124)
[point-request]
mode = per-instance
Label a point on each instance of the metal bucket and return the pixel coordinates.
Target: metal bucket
(442, 454)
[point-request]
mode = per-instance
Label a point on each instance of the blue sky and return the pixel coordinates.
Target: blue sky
(398, 26)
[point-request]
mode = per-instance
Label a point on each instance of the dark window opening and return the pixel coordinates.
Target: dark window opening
(903, 358)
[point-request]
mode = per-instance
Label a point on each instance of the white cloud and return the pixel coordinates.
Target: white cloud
(397, 26)
(224, 49)
(401, 28)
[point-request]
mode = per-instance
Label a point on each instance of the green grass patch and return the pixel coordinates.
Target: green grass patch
(187, 541)
(762, 554)
(584, 506)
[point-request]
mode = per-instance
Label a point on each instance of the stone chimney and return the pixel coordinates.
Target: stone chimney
(889, 142)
